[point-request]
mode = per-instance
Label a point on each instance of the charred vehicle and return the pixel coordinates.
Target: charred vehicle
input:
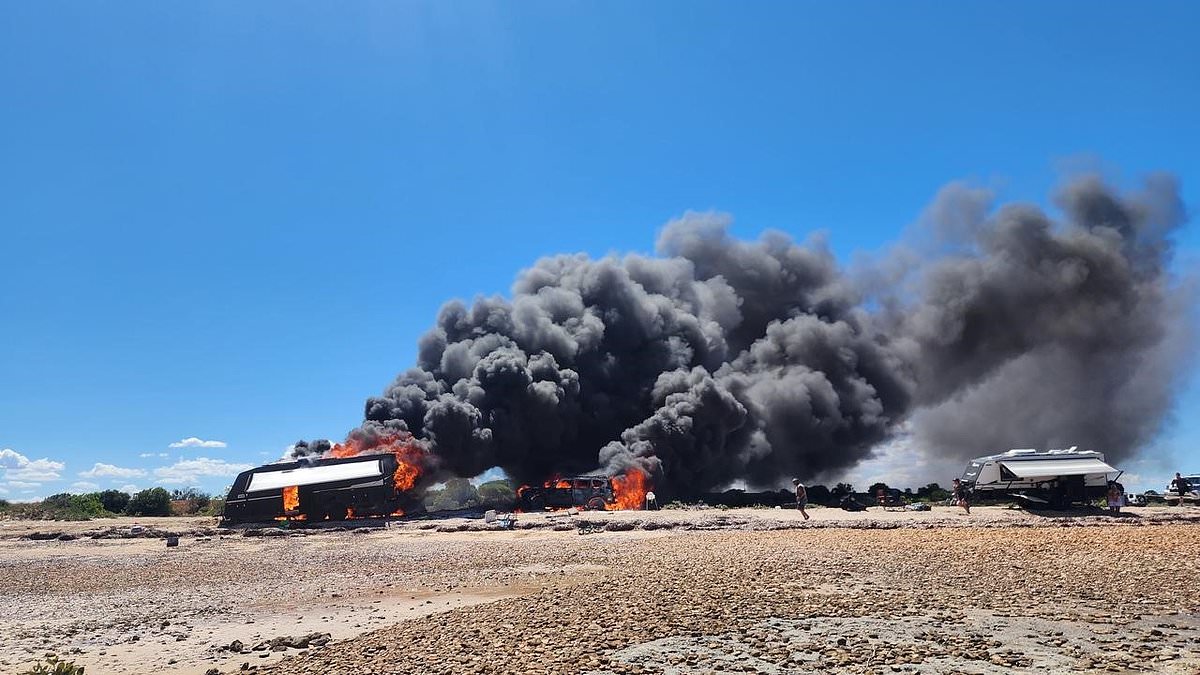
(319, 489)
(595, 493)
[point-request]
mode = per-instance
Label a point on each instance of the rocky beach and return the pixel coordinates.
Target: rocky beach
(681, 591)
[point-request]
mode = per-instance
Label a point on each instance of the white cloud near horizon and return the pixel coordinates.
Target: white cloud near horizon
(189, 470)
(23, 485)
(16, 466)
(86, 486)
(193, 442)
(130, 488)
(100, 469)
(163, 455)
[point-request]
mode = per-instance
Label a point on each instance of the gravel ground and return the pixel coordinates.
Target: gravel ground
(667, 592)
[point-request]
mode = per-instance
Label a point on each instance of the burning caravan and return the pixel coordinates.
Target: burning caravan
(319, 489)
(1052, 477)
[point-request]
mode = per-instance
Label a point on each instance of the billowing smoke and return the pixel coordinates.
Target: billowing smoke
(1039, 334)
(721, 359)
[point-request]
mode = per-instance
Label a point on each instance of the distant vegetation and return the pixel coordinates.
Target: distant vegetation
(151, 502)
(459, 493)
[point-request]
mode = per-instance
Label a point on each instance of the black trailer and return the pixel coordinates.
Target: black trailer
(317, 490)
(589, 492)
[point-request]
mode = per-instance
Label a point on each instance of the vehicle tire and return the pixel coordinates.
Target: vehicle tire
(535, 503)
(596, 504)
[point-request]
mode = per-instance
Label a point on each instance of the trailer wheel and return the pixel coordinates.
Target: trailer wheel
(536, 503)
(596, 504)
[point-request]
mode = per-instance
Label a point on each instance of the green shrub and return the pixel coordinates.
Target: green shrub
(88, 505)
(63, 506)
(497, 494)
(215, 507)
(54, 666)
(152, 502)
(114, 501)
(456, 493)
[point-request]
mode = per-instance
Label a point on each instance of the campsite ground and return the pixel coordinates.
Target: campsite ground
(668, 591)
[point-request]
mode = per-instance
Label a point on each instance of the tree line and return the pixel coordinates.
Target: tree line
(154, 501)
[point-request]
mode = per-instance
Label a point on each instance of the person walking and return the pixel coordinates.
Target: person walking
(1180, 487)
(959, 494)
(801, 497)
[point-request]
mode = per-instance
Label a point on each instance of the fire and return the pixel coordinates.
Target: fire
(630, 489)
(291, 499)
(564, 484)
(409, 456)
(349, 514)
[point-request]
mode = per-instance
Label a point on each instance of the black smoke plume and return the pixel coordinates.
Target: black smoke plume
(721, 359)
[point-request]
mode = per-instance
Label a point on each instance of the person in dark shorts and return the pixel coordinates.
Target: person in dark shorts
(960, 496)
(801, 497)
(1180, 486)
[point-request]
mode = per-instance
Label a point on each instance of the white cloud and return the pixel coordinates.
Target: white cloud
(84, 485)
(194, 442)
(130, 488)
(100, 469)
(19, 467)
(144, 455)
(188, 470)
(22, 485)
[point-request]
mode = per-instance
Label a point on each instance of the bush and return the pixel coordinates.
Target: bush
(498, 494)
(152, 502)
(457, 493)
(88, 505)
(114, 501)
(53, 666)
(62, 506)
(215, 507)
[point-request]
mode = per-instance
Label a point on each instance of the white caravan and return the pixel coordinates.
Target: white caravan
(1054, 477)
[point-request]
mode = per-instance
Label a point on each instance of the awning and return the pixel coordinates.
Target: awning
(1039, 468)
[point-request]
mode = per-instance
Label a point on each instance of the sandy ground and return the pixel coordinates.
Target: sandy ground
(668, 591)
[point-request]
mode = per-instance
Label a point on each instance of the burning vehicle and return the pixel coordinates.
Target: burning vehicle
(336, 488)
(1050, 477)
(595, 493)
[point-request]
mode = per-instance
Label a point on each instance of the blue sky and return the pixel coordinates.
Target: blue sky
(230, 222)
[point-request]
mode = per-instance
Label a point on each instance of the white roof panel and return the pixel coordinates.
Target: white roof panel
(1037, 468)
(308, 475)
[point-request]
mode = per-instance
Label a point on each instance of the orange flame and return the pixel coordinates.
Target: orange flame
(349, 514)
(630, 489)
(291, 499)
(409, 456)
(563, 484)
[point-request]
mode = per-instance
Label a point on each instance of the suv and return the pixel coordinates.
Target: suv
(594, 493)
